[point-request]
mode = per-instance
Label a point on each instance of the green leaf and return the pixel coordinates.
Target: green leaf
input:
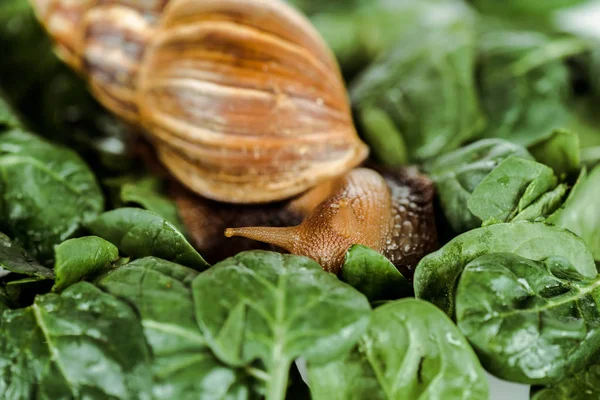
(184, 368)
(584, 385)
(545, 205)
(13, 258)
(510, 8)
(140, 233)
(411, 351)
(559, 151)
(524, 84)
(458, 173)
(426, 87)
(276, 308)
(437, 274)
(47, 193)
(147, 193)
(7, 115)
(532, 322)
(374, 275)
(81, 344)
(77, 259)
(580, 215)
(510, 188)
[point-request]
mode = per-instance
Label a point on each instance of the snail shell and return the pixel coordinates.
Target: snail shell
(242, 99)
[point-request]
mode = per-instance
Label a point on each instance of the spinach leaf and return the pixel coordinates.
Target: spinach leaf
(47, 193)
(81, 344)
(13, 258)
(140, 233)
(437, 274)
(532, 322)
(276, 308)
(545, 206)
(374, 275)
(7, 115)
(559, 151)
(524, 85)
(184, 367)
(510, 188)
(425, 61)
(580, 213)
(147, 193)
(584, 385)
(411, 351)
(458, 173)
(77, 259)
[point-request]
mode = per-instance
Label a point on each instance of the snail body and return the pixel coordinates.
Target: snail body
(243, 100)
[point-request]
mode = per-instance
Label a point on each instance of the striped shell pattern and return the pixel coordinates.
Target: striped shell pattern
(242, 99)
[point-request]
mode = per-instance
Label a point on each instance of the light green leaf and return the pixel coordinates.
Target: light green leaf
(411, 351)
(374, 275)
(141, 233)
(437, 274)
(584, 385)
(559, 151)
(77, 259)
(183, 368)
(510, 188)
(532, 322)
(276, 308)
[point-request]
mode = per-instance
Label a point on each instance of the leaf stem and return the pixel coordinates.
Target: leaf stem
(277, 386)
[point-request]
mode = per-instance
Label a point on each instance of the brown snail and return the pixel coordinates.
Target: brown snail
(244, 103)
(242, 99)
(391, 212)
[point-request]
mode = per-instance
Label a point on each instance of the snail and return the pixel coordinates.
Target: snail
(388, 211)
(245, 106)
(243, 100)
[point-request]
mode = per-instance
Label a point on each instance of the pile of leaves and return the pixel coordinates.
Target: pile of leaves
(103, 297)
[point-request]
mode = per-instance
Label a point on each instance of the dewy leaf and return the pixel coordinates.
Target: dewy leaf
(77, 259)
(13, 258)
(560, 151)
(374, 275)
(584, 385)
(141, 233)
(524, 84)
(511, 187)
(581, 214)
(458, 173)
(276, 308)
(184, 367)
(80, 344)
(437, 275)
(532, 322)
(410, 351)
(47, 193)
(426, 86)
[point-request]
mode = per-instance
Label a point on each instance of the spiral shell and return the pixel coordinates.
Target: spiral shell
(242, 98)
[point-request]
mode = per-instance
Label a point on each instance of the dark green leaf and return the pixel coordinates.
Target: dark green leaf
(141, 233)
(458, 173)
(374, 275)
(399, 88)
(13, 258)
(411, 351)
(77, 259)
(437, 274)
(525, 86)
(184, 368)
(584, 385)
(559, 151)
(510, 188)
(580, 213)
(147, 192)
(532, 322)
(7, 116)
(276, 308)
(81, 344)
(47, 191)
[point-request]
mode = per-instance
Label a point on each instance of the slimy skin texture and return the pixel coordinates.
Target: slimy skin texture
(392, 215)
